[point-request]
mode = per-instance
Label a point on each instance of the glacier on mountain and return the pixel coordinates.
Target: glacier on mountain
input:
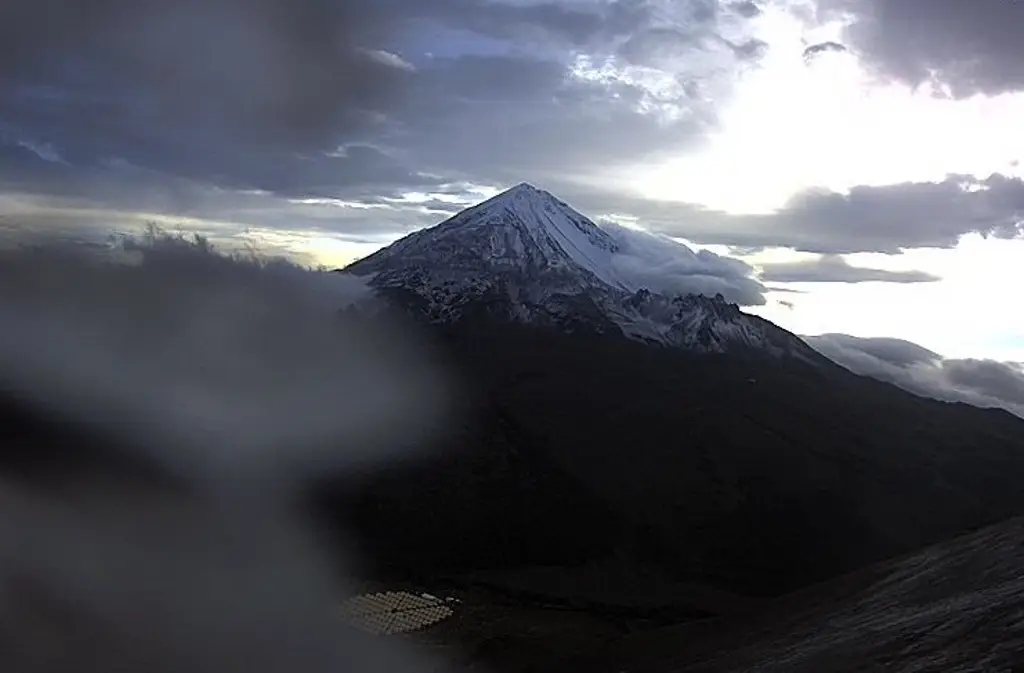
(529, 257)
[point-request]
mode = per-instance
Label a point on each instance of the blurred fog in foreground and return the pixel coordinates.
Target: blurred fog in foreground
(234, 381)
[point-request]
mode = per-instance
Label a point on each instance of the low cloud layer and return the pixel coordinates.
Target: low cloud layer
(983, 383)
(197, 315)
(667, 267)
(174, 363)
(835, 269)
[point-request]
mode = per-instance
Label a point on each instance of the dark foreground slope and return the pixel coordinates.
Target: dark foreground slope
(952, 608)
(747, 473)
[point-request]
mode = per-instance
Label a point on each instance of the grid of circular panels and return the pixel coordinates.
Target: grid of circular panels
(394, 612)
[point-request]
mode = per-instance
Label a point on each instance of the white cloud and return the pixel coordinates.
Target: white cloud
(390, 58)
(967, 314)
(666, 266)
(983, 383)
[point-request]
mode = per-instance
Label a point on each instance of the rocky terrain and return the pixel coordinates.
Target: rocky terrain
(955, 607)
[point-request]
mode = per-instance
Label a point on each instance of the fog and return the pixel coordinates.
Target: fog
(235, 378)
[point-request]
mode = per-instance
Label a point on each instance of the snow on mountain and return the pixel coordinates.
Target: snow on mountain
(558, 230)
(521, 230)
(530, 257)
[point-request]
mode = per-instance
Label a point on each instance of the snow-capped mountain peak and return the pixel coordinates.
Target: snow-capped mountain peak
(522, 229)
(547, 217)
(530, 257)
(522, 191)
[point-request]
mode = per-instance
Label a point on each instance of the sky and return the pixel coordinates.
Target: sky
(858, 159)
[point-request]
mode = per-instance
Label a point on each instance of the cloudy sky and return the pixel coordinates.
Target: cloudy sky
(861, 157)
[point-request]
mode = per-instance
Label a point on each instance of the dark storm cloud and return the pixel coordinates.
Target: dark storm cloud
(698, 27)
(258, 94)
(641, 79)
(238, 94)
(447, 82)
(323, 174)
(747, 9)
(885, 219)
(591, 26)
(751, 50)
(892, 217)
(220, 214)
(1000, 379)
(670, 45)
(252, 68)
(971, 47)
(822, 48)
(503, 119)
(356, 169)
(162, 105)
(543, 21)
(985, 383)
(652, 43)
(835, 269)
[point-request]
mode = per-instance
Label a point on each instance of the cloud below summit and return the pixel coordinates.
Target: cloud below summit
(667, 267)
(984, 383)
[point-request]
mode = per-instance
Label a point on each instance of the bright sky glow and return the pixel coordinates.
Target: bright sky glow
(960, 316)
(794, 124)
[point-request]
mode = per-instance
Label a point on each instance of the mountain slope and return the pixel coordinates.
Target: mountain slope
(955, 606)
(524, 230)
(524, 255)
(734, 459)
(746, 473)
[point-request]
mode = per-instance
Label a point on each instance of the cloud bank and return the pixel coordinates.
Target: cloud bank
(963, 48)
(267, 92)
(885, 219)
(983, 383)
(231, 381)
(665, 266)
(171, 339)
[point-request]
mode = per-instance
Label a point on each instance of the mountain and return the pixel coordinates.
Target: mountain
(526, 256)
(954, 606)
(692, 445)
